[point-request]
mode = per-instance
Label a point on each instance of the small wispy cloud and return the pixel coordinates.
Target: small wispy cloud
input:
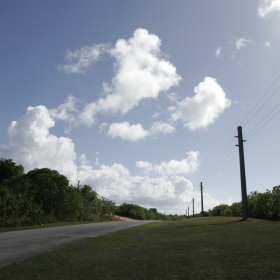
(173, 97)
(161, 128)
(79, 61)
(156, 115)
(66, 111)
(218, 52)
(97, 159)
(242, 43)
(102, 126)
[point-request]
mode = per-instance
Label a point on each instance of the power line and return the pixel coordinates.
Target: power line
(264, 119)
(221, 163)
(217, 162)
(220, 167)
(264, 125)
(262, 106)
(260, 101)
(220, 170)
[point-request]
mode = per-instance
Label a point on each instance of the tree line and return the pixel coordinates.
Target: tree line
(260, 205)
(45, 196)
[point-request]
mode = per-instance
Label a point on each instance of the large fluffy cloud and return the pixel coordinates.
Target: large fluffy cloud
(32, 145)
(267, 7)
(140, 73)
(204, 107)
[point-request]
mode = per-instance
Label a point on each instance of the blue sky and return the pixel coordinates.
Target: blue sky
(142, 99)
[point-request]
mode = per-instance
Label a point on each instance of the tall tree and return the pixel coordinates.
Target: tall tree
(49, 189)
(9, 170)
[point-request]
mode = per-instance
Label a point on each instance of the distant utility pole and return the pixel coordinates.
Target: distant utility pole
(242, 173)
(201, 189)
(193, 207)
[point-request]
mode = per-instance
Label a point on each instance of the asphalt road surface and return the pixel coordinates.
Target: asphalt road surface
(18, 245)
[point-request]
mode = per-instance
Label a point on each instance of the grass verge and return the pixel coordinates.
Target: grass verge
(199, 248)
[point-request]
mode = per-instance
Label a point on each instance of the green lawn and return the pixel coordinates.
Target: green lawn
(199, 248)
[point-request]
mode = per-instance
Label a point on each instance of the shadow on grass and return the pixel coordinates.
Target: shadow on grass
(226, 223)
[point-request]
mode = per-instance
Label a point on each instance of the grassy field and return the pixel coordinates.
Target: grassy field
(199, 248)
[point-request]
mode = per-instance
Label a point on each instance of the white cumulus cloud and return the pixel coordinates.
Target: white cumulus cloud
(173, 167)
(83, 160)
(185, 166)
(32, 145)
(146, 166)
(140, 73)
(267, 7)
(128, 132)
(204, 108)
(136, 132)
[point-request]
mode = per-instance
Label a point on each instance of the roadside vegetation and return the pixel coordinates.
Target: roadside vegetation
(43, 196)
(198, 248)
(260, 205)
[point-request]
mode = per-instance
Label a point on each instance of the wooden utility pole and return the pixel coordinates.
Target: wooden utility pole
(193, 207)
(201, 189)
(242, 173)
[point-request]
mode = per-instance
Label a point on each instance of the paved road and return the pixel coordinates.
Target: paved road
(19, 245)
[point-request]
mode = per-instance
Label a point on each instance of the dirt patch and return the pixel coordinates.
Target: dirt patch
(118, 218)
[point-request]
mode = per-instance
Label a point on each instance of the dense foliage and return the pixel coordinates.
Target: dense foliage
(140, 213)
(260, 205)
(45, 196)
